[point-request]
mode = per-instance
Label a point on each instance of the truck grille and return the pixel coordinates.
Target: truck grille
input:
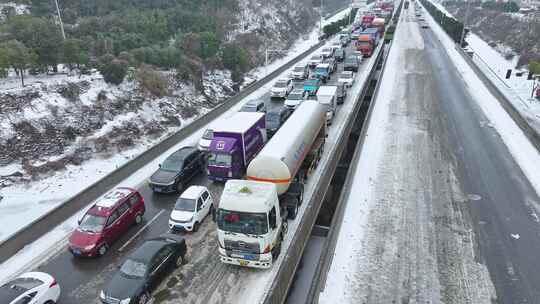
(241, 246)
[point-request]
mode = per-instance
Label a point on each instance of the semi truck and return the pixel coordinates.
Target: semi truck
(368, 41)
(379, 23)
(252, 214)
(367, 20)
(234, 144)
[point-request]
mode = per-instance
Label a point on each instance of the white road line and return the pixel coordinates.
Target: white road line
(141, 230)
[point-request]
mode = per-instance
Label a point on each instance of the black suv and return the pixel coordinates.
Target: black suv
(144, 269)
(275, 119)
(177, 170)
(351, 63)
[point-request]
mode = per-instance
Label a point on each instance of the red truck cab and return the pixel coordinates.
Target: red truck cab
(365, 45)
(108, 219)
(367, 20)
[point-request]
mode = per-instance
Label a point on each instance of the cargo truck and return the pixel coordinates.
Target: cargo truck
(367, 20)
(252, 215)
(368, 41)
(379, 23)
(236, 142)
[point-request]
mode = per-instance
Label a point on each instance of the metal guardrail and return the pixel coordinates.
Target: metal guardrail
(321, 272)
(69, 208)
(285, 275)
(528, 130)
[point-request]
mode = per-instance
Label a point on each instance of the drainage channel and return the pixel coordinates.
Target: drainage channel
(299, 290)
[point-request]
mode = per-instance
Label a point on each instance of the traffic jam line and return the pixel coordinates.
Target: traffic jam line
(141, 230)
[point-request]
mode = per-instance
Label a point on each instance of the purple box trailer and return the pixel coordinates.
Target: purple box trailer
(237, 140)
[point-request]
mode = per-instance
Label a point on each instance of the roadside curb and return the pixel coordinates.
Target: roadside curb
(523, 124)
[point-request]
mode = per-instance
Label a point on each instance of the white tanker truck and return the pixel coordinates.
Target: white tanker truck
(252, 214)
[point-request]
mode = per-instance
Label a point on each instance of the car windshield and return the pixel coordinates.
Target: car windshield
(24, 284)
(327, 50)
(185, 204)
(92, 223)
(350, 60)
(345, 75)
(320, 70)
(208, 134)
(220, 159)
(249, 108)
(272, 120)
(295, 96)
(241, 222)
(316, 57)
(172, 164)
(299, 69)
(280, 84)
(133, 269)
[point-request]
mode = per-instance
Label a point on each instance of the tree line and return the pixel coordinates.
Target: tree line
(507, 7)
(111, 36)
(451, 26)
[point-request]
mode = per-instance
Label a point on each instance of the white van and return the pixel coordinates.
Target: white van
(326, 95)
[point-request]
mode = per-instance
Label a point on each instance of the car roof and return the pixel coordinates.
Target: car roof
(147, 250)
(253, 102)
(8, 294)
(283, 80)
(193, 192)
(182, 153)
(323, 65)
(297, 91)
(347, 72)
(106, 204)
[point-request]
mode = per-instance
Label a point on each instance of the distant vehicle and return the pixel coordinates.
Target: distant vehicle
(347, 78)
(421, 19)
(191, 208)
(311, 86)
(107, 220)
(252, 216)
(344, 39)
(332, 64)
(30, 288)
(367, 20)
(339, 55)
(538, 92)
(341, 92)
(300, 72)
(327, 52)
(281, 88)
(322, 71)
(336, 46)
(144, 269)
(177, 170)
(425, 25)
(351, 63)
(380, 24)
(354, 35)
(368, 41)
(275, 119)
(295, 98)
(327, 96)
(314, 60)
(418, 15)
(238, 140)
(255, 105)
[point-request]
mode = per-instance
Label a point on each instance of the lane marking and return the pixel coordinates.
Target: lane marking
(141, 230)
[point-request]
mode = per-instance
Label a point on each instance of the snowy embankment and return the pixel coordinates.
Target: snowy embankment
(518, 144)
(63, 185)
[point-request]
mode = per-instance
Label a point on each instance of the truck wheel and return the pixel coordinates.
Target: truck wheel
(277, 250)
(293, 210)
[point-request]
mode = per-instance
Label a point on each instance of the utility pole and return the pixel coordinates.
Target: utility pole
(465, 23)
(60, 19)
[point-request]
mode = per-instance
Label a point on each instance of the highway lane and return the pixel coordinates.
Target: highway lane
(503, 204)
(82, 279)
(450, 216)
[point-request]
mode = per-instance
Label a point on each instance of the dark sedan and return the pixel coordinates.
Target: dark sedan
(351, 63)
(177, 170)
(274, 120)
(144, 269)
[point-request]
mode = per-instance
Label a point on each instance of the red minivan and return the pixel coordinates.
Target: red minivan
(107, 220)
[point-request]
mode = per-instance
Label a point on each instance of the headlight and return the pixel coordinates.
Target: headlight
(189, 219)
(89, 247)
(125, 301)
(102, 295)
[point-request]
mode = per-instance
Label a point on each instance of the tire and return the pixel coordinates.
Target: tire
(143, 298)
(50, 302)
(212, 212)
(196, 226)
(138, 219)
(102, 250)
(293, 211)
(180, 260)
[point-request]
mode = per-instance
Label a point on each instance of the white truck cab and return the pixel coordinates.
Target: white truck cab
(326, 95)
(251, 225)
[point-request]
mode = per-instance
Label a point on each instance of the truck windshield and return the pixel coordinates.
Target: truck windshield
(242, 222)
(208, 134)
(363, 43)
(219, 159)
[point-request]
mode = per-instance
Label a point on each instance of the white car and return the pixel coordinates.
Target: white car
(295, 98)
(206, 139)
(314, 60)
(300, 72)
(336, 46)
(327, 52)
(191, 208)
(30, 288)
(347, 78)
(281, 88)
